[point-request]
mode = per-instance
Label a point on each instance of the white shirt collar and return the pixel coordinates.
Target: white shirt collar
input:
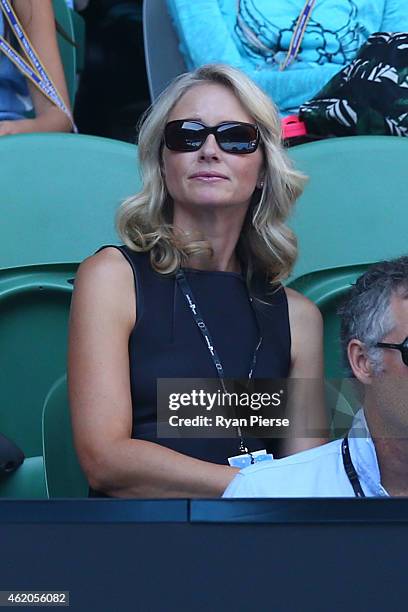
(364, 457)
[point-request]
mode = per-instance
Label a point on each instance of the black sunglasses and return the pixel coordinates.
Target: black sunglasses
(403, 347)
(231, 136)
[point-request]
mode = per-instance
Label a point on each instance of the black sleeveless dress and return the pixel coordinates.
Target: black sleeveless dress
(166, 343)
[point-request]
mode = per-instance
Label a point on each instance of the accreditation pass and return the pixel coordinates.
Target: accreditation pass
(34, 598)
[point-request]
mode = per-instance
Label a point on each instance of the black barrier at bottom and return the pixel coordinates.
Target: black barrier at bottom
(323, 559)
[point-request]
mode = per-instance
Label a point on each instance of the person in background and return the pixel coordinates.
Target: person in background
(261, 38)
(373, 459)
(208, 227)
(19, 96)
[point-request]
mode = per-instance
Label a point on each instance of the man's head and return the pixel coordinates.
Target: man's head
(374, 312)
(375, 315)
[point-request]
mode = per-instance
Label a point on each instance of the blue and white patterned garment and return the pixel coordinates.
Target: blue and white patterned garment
(15, 99)
(256, 38)
(318, 472)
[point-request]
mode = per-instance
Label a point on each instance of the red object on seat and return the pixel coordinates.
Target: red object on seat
(292, 127)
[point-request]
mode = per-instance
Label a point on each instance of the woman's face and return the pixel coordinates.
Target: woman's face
(211, 177)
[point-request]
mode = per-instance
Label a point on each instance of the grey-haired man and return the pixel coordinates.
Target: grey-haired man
(373, 459)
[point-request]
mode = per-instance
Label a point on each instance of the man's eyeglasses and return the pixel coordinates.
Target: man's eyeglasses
(232, 137)
(402, 347)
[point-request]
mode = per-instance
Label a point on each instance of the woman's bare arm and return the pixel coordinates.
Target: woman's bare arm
(102, 318)
(306, 406)
(37, 19)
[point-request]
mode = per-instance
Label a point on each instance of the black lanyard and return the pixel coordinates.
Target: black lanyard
(188, 294)
(350, 469)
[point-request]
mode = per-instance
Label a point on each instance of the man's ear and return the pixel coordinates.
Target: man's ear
(359, 361)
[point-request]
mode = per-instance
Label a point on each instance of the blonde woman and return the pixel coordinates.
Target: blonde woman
(217, 188)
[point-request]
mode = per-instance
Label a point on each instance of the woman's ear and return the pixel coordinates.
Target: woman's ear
(261, 179)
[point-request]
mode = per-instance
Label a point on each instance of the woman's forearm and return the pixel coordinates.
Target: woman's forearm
(138, 468)
(51, 120)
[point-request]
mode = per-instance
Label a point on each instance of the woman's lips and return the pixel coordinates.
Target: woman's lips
(208, 177)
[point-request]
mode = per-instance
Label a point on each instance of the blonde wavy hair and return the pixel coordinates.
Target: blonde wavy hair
(266, 244)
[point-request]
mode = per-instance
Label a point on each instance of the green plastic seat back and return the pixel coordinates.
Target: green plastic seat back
(63, 474)
(27, 482)
(352, 213)
(60, 211)
(69, 187)
(34, 309)
(353, 209)
(327, 289)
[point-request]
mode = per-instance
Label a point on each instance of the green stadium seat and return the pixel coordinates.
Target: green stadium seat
(352, 213)
(34, 307)
(63, 473)
(27, 482)
(57, 213)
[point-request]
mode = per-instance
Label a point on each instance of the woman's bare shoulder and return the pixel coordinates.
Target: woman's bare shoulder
(301, 309)
(107, 265)
(306, 326)
(105, 280)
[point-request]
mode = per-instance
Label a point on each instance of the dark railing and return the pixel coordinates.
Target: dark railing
(274, 555)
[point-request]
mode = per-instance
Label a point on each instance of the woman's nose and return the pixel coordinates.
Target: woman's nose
(210, 147)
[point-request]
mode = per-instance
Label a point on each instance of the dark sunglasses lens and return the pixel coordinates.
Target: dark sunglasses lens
(404, 351)
(237, 138)
(184, 135)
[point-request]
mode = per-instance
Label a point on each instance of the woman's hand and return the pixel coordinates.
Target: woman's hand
(9, 127)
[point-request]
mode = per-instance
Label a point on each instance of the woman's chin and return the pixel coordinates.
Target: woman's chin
(212, 201)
